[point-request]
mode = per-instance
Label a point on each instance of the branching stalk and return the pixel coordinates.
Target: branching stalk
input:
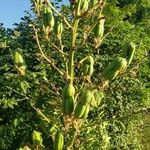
(72, 51)
(18, 92)
(43, 55)
(108, 32)
(60, 50)
(41, 114)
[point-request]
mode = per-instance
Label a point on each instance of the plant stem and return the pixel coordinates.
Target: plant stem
(72, 140)
(60, 50)
(42, 53)
(41, 114)
(72, 51)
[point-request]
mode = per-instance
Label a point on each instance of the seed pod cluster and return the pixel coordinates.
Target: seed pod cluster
(59, 141)
(48, 18)
(44, 11)
(68, 99)
(80, 7)
(19, 62)
(118, 66)
(88, 66)
(83, 106)
(99, 32)
(37, 138)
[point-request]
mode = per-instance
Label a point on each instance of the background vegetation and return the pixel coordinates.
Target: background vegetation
(122, 120)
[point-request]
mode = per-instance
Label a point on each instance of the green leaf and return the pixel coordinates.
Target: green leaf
(24, 86)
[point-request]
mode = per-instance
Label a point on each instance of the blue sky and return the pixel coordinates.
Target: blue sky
(12, 10)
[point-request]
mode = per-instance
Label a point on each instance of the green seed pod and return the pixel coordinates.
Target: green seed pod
(37, 138)
(89, 60)
(99, 32)
(79, 110)
(88, 66)
(98, 97)
(91, 70)
(59, 141)
(68, 99)
(18, 59)
(81, 6)
(85, 114)
(111, 75)
(88, 69)
(19, 62)
(77, 8)
(59, 29)
(93, 101)
(84, 6)
(99, 28)
(68, 105)
(48, 18)
(69, 90)
(122, 65)
(86, 97)
(129, 52)
(117, 66)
